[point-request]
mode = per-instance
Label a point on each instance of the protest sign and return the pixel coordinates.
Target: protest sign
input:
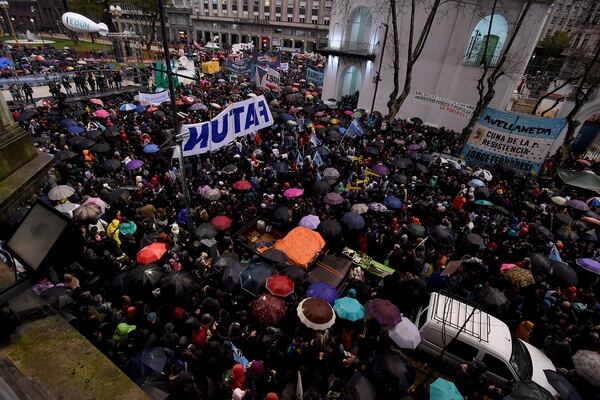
(519, 141)
(454, 107)
(153, 99)
(284, 66)
(236, 120)
(267, 78)
(315, 77)
(240, 67)
(355, 129)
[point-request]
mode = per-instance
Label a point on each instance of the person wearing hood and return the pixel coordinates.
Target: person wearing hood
(122, 331)
(113, 231)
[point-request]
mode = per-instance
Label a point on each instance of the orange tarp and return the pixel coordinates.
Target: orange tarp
(301, 245)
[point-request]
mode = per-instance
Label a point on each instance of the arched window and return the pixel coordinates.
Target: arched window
(349, 81)
(477, 52)
(358, 27)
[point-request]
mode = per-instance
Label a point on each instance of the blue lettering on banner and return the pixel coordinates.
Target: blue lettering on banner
(198, 135)
(263, 111)
(250, 116)
(219, 136)
(237, 112)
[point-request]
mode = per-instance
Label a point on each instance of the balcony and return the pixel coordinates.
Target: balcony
(477, 61)
(361, 50)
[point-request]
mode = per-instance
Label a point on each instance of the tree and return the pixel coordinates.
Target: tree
(486, 84)
(146, 18)
(556, 43)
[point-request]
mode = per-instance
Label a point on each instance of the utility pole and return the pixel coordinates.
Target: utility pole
(175, 119)
(378, 73)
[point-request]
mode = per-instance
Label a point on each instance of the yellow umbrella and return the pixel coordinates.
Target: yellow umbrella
(519, 277)
(334, 121)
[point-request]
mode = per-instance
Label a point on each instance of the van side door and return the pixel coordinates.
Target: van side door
(498, 371)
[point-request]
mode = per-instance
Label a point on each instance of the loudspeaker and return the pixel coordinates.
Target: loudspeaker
(209, 246)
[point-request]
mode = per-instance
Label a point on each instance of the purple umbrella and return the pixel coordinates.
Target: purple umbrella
(323, 291)
(133, 165)
(384, 311)
(310, 222)
(578, 205)
(381, 169)
(333, 198)
(414, 147)
(589, 264)
(202, 190)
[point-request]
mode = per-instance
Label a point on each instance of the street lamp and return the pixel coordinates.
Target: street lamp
(36, 31)
(117, 12)
(9, 20)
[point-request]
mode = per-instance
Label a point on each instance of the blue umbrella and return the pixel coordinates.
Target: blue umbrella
(231, 277)
(254, 277)
(151, 148)
(75, 129)
(286, 117)
(149, 361)
(323, 291)
(5, 62)
(353, 220)
(441, 389)
(483, 203)
(476, 183)
(140, 109)
(595, 202)
(349, 309)
(127, 107)
(392, 202)
(342, 130)
(65, 123)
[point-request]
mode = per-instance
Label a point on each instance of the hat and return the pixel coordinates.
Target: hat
(131, 312)
(206, 319)
(238, 394)
(271, 396)
(175, 229)
(151, 317)
(138, 178)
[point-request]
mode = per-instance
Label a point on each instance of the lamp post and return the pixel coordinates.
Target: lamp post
(117, 12)
(4, 8)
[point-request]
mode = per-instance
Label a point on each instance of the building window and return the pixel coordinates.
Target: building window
(245, 5)
(301, 11)
(224, 5)
(256, 4)
(267, 18)
(278, 18)
(214, 4)
(315, 11)
(326, 21)
(301, 20)
(483, 48)
(267, 9)
(328, 6)
(278, 10)
(290, 19)
(586, 39)
(234, 6)
(278, 30)
(315, 21)
(577, 40)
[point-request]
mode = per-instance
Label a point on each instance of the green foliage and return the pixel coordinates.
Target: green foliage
(556, 43)
(90, 8)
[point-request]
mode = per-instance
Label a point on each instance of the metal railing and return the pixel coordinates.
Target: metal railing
(477, 61)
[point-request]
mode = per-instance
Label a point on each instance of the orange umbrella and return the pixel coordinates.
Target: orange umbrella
(151, 253)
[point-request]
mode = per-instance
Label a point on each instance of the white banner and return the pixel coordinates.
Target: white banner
(267, 78)
(284, 66)
(153, 99)
(451, 106)
(238, 119)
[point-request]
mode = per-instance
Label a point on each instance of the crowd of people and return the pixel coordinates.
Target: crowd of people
(421, 208)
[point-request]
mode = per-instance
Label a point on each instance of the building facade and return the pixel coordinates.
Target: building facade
(269, 24)
(580, 19)
(444, 78)
(45, 13)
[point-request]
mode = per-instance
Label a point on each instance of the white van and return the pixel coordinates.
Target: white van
(468, 333)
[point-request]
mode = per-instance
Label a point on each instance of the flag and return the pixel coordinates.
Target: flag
(317, 159)
(299, 387)
(354, 129)
(299, 161)
(314, 139)
(554, 254)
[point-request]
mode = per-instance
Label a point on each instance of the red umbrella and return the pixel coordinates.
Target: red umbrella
(221, 222)
(280, 285)
(268, 309)
(242, 185)
(151, 253)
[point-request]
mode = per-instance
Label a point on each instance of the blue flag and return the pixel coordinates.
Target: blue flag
(299, 161)
(554, 254)
(315, 140)
(317, 159)
(354, 129)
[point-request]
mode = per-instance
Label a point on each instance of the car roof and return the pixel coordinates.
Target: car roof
(476, 325)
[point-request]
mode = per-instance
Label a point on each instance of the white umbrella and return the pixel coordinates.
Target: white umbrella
(215, 106)
(483, 174)
(316, 314)
(360, 208)
(405, 334)
(252, 95)
(561, 201)
(60, 192)
(67, 208)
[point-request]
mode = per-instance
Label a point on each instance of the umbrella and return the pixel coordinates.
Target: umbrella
(491, 296)
(360, 208)
(297, 275)
(405, 334)
(254, 277)
(483, 174)
(76, 140)
(101, 114)
(441, 234)
(229, 169)
(353, 220)
(178, 286)
(564, 272)
(127, 107)
(476, 183)
(310, 221)
(67, 208)
(529, 390)
(133, 165)
(578, 205)
(413, 147)
(322, 186)
(378, 207)
(96, 102)
(280, 166)
(392, 202)
(151, 253)
(417, 230)
(373, 150)
(276, 256)
(589, 264)
(475, 240)
(316, 313)
(27, 115)
(381, 169)
(561, 201)
(111, 165)
(111, 132)
(594, 202)
(483, 203)
(87, 211)
(331, 173)
(583, 179)
(147, 363)
(75, 129)
(119, 195)
(323, 291)
(60, 192)
(142, 279)
(441, 389)
(206, 230)
(565, 389)
(544, 232)
(139, 109)
(242, 185)
(360, 388)
(213, 194)
(392, 370)
(293, 193)
(268, 309)
(587, 365)
(221, 222)
(384, 311)
(198, 107)
(151, 148)
(330, 228)
(65, 123)
(283, 214)
(100, 148)
(519, 277)
(349, 308)
(128, 228)
(279, 285)
(403, 163)
(231, 277)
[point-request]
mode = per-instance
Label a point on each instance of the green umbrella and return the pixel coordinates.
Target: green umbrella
(483, 203)
(441, 389)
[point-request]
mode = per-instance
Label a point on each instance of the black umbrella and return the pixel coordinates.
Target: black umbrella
(417, 230)
(100, 148)
(76, 140)
(229, 169)
(323, 151)
(590, 235)
(93, 134)
(400, 179)
(563, 219)
(283, 214)
(544, 233)
(146, 362)
(142, 280)
(322, 186)
(42, 139)
(529, 390)
(416, 120)
(280, 166)
(276, 256)
(565, 389)
(541, 261)
(482, 192)
(178, 286)
(373, 150)
(225, 261)
(120, 195)
(402, 163)
(334, 135)
(392, 370)
(206, 230)
(111, 132)
(27, 115)
(254, 277)
(474, 239)
(64, 155)
(501, 210)
(231, 277)
(423, 169)
(491, 296)
(330, 228)
(297, 275)
(564, 272)
(353, 220)
(441, 234)
(359, 388)
(567, 233)
(78, 113)
(111, 165)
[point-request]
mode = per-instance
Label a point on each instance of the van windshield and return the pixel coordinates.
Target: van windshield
(521, 361)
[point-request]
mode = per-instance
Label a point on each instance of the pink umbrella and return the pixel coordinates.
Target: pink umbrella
(96, 102)
(348, 113)
(333, 198)
(293, 192)
(506, 266)
(221, 222)
(101, 113)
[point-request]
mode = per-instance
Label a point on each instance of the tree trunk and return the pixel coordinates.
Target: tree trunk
(548, 94)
